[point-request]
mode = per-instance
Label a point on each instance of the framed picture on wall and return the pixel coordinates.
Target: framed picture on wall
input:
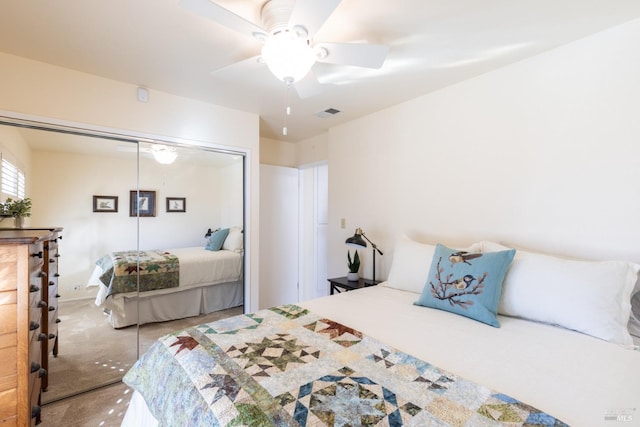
(176, 204)
(105, 203)
(142, 203)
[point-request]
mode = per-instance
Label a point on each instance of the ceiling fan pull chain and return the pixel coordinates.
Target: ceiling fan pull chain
(287, 109)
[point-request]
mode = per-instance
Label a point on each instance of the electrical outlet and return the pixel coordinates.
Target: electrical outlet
(343, 223)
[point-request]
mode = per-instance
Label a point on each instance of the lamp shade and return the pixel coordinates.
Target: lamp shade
(163, 154)
(288, 56)
(356, 241)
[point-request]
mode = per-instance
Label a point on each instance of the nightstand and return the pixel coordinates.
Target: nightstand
(341, 284)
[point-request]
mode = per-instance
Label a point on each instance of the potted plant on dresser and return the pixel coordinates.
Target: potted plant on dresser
(354, 266)
(18, 209)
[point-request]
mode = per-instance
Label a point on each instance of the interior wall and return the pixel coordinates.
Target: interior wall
(310, 151)
(313, 150)
(277, 153)
(542, 154)
(231, 191)
(35, 89)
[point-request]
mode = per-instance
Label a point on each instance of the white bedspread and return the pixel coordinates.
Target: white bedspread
(198, 267)
(574, 377)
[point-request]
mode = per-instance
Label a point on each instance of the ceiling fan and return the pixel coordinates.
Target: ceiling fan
(287, 31)
(163, 154)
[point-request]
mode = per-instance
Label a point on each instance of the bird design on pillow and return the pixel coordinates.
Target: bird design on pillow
(462, 256)
(464, 282)
(455, 281)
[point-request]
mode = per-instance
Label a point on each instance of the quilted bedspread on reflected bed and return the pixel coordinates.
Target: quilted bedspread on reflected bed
(157, 270)
(289, 366)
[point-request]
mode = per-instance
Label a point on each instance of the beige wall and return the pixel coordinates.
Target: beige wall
(277, 153)
(32, 89)
(307, 152)
(542, 154)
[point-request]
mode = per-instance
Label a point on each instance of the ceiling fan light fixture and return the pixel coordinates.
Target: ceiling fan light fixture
(163, 154)
(288, 56)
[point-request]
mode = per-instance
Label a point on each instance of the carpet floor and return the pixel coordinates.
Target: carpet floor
(93, 354)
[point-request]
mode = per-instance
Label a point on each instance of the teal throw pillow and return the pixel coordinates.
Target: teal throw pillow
(216, 239)
(469, 284)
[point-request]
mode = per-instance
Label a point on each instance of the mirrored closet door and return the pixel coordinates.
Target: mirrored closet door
(119, 200)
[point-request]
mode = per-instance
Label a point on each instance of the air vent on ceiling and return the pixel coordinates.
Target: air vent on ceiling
(329, 112)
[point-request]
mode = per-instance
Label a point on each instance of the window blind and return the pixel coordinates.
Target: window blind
(12, 180)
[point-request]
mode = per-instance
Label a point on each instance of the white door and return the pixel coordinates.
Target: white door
(278, 236)
(313, 232)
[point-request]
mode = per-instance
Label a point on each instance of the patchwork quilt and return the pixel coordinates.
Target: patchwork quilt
(287, 366)
(158, 270)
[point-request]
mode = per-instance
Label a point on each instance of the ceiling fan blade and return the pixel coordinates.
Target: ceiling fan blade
(357, 54)
(312, 14)
(234, 70)
(309, 86)
(222, 16)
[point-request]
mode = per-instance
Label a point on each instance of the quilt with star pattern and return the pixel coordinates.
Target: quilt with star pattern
(287, 366)
(156, 269)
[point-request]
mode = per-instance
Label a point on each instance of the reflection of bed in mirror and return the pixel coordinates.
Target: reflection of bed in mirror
(174, 283)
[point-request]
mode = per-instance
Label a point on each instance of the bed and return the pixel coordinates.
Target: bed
(374, 356)
(182, 282)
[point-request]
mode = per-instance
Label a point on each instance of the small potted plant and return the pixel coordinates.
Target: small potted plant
(354, 266)
(19, 209)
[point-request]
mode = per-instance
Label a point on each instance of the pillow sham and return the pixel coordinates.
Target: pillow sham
(410, 265)
(466, 283)
(592, 297)
(216, 239)
(233, 242)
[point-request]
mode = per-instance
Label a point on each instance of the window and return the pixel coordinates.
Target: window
(12, 180)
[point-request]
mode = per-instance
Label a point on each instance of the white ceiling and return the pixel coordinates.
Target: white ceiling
(433, 43)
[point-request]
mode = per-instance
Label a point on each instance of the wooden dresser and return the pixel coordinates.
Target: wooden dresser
(50, 327)
(24, 311)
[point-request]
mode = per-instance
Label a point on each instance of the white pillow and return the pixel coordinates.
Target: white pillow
(411, 263)
(592, 297)
(233, 242)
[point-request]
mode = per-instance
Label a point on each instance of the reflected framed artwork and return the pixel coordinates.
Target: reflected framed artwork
(142, 203)
(176, 204)
(105, 203)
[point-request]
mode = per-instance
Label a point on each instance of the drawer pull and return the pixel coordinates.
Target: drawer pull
(52, 260)
(33, 325)
(42, 274)
(52, 336)
(42, 304)
(52, 308)
(42, 373)
(58, 320)
(41, 337)
(37, 254)
(35, 367)
(57, 295)
(57, 255)
(56, 275)
(52, 283)
(34, 288)
(35, 412)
